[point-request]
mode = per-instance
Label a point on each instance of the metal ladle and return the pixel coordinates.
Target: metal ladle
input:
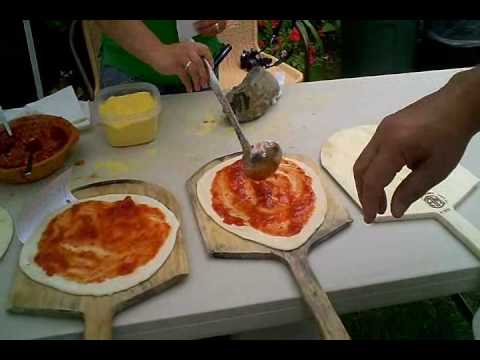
(262, 159)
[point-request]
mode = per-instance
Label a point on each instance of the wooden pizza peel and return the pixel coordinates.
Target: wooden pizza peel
(28, 296)
(223, 244)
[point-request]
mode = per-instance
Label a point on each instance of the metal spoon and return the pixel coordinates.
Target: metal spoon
(262, 159)
(32, 146)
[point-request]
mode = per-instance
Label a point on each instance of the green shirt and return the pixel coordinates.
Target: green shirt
(166, 30)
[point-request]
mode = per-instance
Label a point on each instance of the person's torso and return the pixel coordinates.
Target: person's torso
(166, 31)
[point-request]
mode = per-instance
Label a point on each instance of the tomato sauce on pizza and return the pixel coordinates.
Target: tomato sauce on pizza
(96, 240)
(280, 205)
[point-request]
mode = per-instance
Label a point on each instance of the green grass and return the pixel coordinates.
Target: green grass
(437, 319)
(473, 299)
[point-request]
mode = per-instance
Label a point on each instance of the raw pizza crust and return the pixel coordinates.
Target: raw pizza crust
(6, 231)
(277, 242)
(109, 286)
(340, 152)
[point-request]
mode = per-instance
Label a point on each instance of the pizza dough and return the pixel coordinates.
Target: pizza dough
(6, 231)
(340, 152)
(277, 242)
(108, 286)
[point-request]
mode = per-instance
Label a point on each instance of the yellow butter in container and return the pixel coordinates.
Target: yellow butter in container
(129, 113)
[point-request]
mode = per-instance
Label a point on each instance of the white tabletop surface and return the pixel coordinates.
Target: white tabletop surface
(362, 267)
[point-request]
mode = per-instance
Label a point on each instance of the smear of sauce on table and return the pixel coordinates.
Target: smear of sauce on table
(116, 167)
(208, 124)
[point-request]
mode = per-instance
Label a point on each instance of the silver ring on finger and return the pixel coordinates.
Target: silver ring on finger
(187, 65)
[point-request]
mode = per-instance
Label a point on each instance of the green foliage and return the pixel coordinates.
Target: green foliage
(436, 319)
(323, 43)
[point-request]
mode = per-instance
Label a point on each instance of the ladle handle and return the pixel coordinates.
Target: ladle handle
(227, 109)
(28, 168)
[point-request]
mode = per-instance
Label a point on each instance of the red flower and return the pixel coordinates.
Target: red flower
(312, 55)
(262, 24)
(295, 35)
(275, 23)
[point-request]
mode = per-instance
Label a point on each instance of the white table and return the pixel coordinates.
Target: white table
(362, 267)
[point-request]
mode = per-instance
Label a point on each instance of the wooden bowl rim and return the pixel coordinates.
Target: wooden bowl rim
(72, 133)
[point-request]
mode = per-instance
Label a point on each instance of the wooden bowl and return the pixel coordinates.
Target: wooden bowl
(45, 167)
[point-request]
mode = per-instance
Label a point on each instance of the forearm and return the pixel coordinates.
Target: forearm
(134, 37)
(464, 88)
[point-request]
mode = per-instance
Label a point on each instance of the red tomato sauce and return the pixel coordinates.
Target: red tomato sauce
(13, 149)
(280, 205)
(94, 240)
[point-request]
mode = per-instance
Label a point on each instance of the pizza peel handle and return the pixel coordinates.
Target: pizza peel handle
(462, 229)
(224, 244)
(330, 325)
(98, 317)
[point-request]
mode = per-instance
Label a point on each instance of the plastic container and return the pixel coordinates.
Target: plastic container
(129, 113)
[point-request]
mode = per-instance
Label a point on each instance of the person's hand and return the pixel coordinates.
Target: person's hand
(429, 137)
(210, 27)
(185, 60)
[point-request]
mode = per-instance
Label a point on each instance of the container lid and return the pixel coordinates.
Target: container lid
(127, 104)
